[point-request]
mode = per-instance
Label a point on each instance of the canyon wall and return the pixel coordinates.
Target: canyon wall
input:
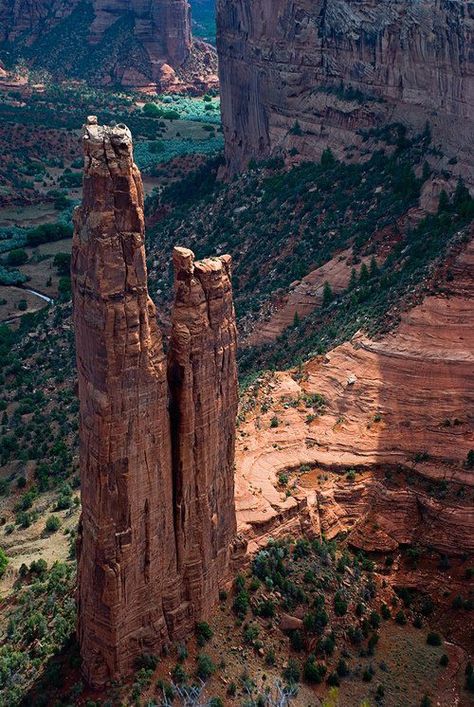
(386, 458)
(298, 76)
(158, 515)
(126, 41)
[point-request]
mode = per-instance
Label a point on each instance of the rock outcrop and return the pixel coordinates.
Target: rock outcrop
(397, 411)
(302, 75)
(158, 513)
(105, 41)
(202, 375)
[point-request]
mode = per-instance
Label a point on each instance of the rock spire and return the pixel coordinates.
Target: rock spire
(158, 512)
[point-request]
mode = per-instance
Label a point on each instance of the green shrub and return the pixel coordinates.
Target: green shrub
(296, 640)
(266, 608)
(204, 632)
(178, 674)
(241, 604)
(3, 562)
(251, 633)
(205, 667)
(433, 639)
(340, 604)
(292, 672)
(16, 257)
(313, 672)
(52, 524)
(400, 618)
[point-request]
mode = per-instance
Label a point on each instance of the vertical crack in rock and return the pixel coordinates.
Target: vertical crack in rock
(297, 76)
(203, 385)
(152, 556)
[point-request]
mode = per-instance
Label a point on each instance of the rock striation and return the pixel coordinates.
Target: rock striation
(302, 75)
(202, 374)
(397, 412)
(108, 41)
(158, 515)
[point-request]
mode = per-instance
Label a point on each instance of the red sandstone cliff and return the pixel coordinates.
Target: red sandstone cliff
(125, 444)
(154, 540)
(133, 42)
(397, 410)
(203, 384)
(306, 74)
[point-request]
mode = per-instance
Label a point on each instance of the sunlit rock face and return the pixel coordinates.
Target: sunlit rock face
(158, 514)
(301, 75)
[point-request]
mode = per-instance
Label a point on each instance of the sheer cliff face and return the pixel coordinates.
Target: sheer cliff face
(202, 372)
(132, 39)
(163, 28)
(306, 74)
(138, 587)
(125, 444)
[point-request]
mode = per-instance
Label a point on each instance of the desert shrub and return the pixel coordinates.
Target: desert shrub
(178, 674)
(52, 524)
(340, 604)
(241, 604)
(296, 640)
(313, 672)
(292, 672)
(3, 562)
(16, 257)
(400, 618)
(251, 633)
(265, 608)
(205, 667)
(203, 632)
(147, 661)
(433, 639)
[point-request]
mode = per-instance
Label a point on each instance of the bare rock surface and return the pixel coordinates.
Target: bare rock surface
(203, 383)
(136, 43)
(307, 74)
(158, 517)
(396, 410)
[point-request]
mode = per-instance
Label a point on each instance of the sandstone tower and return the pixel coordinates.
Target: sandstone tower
(158, 497)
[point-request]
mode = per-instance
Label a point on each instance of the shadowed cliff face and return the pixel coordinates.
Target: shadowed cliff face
(132, 38)
(202, 372)
(158, 514)
(306, 74)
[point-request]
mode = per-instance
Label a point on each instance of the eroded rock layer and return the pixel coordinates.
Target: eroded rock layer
(133, 42)
(143, 580)
(125, 444)
(203, 385)
(306, 74)
(375, 435)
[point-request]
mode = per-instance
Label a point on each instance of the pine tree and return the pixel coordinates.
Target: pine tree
(327, 294)
(374, 268)
(444, 204)
(353, 280)
(364, 274)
